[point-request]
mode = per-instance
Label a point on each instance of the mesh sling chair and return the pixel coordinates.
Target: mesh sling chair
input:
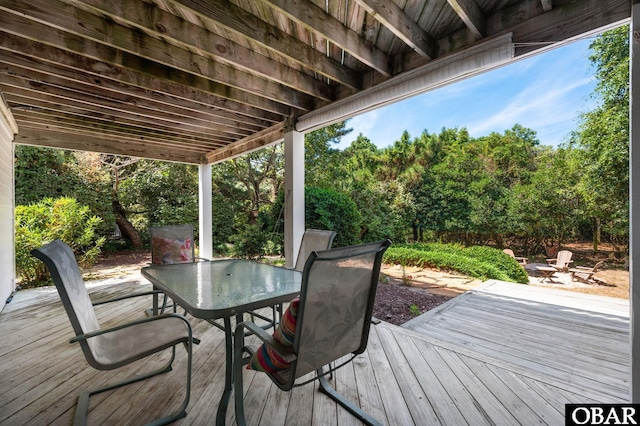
(312, 240)
(108, 349)
(171, 244)
(332, 320)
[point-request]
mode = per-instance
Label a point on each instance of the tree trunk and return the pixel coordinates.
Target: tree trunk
(126, 228)
(596, 234)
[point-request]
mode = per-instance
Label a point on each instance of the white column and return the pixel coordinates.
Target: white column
(634, 201)
(206, 206)
(294, 195)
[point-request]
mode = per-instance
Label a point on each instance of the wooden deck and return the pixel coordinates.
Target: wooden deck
(502, 354)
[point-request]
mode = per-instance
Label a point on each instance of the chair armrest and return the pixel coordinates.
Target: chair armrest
(554, 260)
(580, 271)
(259, 332)
(130, 296)
(86, 336)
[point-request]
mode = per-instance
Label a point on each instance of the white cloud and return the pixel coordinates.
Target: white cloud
(545, 93)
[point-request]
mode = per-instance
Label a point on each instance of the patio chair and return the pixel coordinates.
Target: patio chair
(329, 320)
(115, 347)
(169, 245)
(585, 274)
(172, 244)
(313, 240)
(521, 260)
(561, 261)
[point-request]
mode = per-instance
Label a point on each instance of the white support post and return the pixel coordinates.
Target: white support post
(294, 195)
(205, 207)
(634, 201)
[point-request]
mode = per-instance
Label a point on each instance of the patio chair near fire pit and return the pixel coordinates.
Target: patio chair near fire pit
(585, 274)
(521, 260)
(329, 320)
(115, 347)
(561, 261)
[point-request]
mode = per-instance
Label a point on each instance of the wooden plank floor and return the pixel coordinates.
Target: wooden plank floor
(502, 354)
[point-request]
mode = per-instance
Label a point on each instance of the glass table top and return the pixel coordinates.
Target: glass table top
(222, 288)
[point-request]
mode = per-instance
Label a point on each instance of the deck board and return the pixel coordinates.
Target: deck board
(500, 354)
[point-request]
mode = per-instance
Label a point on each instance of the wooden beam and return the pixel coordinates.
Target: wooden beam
(250, 143)
(234, 18)
(405, 28)
(103, 126)
(471, 15)
(71, 65)
(188, 36)
(82, 30)
(317, 20)
(74, 142)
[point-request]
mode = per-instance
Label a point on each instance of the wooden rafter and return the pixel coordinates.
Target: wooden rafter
(247, 25)
(191, 37)
(405, 28)
(471, 14)
(315, 19)
(50, 60)
(107, 33)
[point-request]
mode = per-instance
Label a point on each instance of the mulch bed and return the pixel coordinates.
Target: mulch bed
(394, 301)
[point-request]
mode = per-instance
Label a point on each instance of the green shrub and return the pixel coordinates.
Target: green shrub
(478, 262)
(39, 224)
(250, 242)
(327, 209)
(324, 209)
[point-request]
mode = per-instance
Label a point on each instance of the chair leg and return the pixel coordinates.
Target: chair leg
(238, 391)
(82, 407)
(340, 399)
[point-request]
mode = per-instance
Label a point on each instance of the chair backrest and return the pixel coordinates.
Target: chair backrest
(313, 240)
(597, 266)
(563, 258)
(62, 264)
(172, 244)
(509, 252)
(336, 304)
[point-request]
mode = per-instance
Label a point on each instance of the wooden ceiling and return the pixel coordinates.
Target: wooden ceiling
(199, 81)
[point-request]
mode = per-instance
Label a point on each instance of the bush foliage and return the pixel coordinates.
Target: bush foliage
(40, 223)
(479, 262)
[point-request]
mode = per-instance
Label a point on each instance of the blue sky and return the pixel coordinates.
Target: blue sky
(546, 93)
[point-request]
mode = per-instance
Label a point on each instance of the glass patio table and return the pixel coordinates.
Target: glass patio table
(222, 289)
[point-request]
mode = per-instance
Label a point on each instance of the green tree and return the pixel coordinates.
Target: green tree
(50, 173)
(155, 193)
(545, 210)
(603, 139)
(322, 161)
